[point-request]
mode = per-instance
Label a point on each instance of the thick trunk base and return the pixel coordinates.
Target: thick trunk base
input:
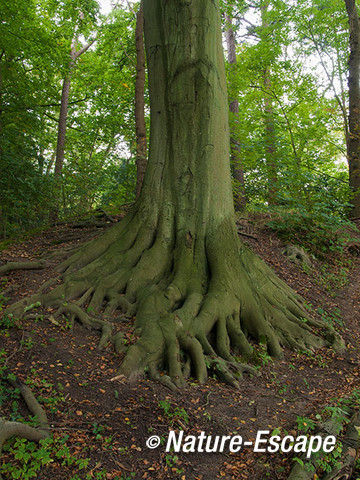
(199, 299)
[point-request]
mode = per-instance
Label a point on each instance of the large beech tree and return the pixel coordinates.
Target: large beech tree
(176, 262)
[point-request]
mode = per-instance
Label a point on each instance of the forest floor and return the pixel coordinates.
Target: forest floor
(100, 426)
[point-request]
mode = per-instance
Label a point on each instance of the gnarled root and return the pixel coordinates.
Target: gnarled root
(198, 300)
(10, 429)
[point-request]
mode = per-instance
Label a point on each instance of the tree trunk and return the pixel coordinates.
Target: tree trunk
(270, 142)
(141, 146)
(3, 219)
(353, 140)
(1, 99)
(269, 117)
(60, 149)
(176, 260)
(61, 136)
(236, 163)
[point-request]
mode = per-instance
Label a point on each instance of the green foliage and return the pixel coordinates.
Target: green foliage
(120, 188)
(7, 394)
(291, 120)
(31, 457)
(315, 218)
(260, 354)
(305, 424)
(172, 461)
(336, 276)
(96, 171)
(33, 65)
(174, 414)
(290, 115)
(331, 318)
(7, 321)
(28, 63)
(321, 461)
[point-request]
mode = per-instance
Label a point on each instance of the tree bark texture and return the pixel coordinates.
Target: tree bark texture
(236, 163)
(353, 140)
(140, 125)
(176, 261)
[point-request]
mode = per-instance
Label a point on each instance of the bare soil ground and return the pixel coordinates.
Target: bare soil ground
(100, 426)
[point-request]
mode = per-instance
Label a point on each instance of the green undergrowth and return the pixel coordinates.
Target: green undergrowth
(335, 276)
(339, 413)
(320, 236)
(175, 415)
(56, 453)
(332, 274)
(330, 316)
(23, 236)
(61, 453)
(331, 241)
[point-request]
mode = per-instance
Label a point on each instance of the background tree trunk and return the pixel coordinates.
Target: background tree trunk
(270, 142)
(353, 140)
(140, 125)
(61, 135)
(269, 117)
(3, 219)
(235, 150)
(60, 150)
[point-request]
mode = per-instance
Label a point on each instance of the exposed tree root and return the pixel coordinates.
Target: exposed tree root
(63, 252)
(38, 264)
(345, 464)
(350, 453)
(198, 300)
(11, 266)
(11, 429)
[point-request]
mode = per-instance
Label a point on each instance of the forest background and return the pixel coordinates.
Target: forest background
(288, 135)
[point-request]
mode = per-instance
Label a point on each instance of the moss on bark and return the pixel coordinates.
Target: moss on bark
(198, 302)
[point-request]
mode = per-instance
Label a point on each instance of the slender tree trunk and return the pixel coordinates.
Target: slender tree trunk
(41, 159)
(50, 164)
(353, 140)
(269, 117)
(141, 146)
(270, 142)
(3, 219)
(61, 136)
(237, 167)
(1, 99)
(60, 149)
(176, 261)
